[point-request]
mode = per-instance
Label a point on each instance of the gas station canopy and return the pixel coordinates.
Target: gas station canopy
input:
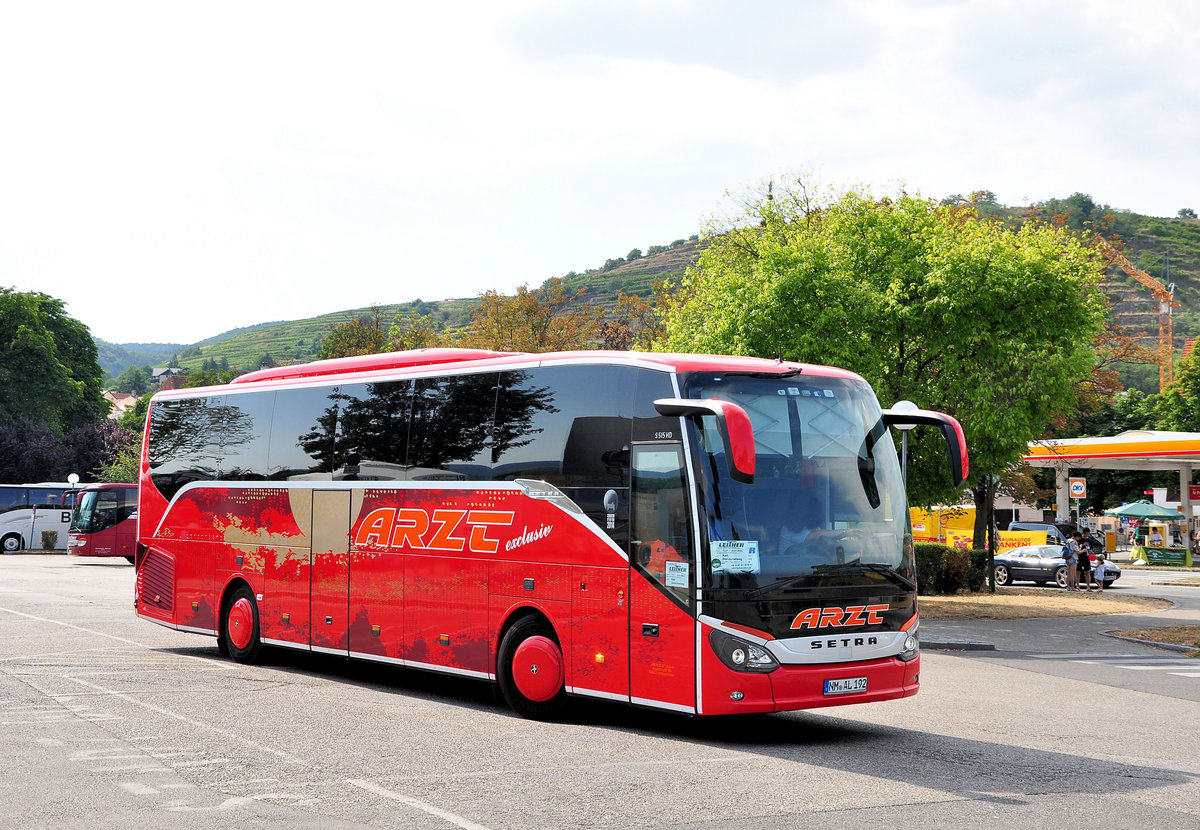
(1138, 449)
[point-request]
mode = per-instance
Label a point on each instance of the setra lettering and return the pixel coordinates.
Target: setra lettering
(844, 642)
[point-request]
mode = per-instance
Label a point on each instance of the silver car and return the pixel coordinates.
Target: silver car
(1044, 563)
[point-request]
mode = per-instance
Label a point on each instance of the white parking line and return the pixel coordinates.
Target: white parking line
(467, 824)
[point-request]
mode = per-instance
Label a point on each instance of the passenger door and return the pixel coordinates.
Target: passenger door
(330, 571)
(662, 626)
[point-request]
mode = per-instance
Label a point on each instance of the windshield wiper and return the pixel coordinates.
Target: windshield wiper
(885, 571)
(782, 583)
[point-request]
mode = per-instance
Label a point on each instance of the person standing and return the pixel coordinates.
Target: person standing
(1071, 555)
(1085, 565)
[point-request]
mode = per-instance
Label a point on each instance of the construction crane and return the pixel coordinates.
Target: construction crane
(1165, 296)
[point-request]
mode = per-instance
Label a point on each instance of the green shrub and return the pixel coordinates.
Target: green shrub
(956, 565)
(942, 569)
(49, 539)
(978, 573)
(929, 565)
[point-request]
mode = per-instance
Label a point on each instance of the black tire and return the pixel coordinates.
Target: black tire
(11, 543)
(239, 626)
(1060, 576)
(1002, 576)
(532, 633)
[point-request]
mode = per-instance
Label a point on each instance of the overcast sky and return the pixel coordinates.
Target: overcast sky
(172, 170)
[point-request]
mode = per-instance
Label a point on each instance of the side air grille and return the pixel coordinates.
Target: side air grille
(156, 581)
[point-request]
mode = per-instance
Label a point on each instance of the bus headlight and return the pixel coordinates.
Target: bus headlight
(911, 647)
(740, 655)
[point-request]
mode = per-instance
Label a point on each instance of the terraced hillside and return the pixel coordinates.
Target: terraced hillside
(1147, 241)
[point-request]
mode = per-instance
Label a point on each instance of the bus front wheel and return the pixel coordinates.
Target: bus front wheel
(531, 669)
(239, 632)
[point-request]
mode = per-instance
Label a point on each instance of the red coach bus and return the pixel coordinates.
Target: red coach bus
(104, 522)
(701, 534)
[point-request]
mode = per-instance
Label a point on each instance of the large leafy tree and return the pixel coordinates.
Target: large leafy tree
(49, 366)
(931, 303)
(547, 319)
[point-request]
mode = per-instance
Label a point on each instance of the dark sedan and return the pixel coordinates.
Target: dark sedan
(1044, 563)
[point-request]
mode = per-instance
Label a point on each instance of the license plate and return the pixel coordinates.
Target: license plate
(845, 685)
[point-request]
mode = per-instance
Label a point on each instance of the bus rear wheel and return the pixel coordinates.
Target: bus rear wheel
(531, 669)
(11, 543)
(239, 630)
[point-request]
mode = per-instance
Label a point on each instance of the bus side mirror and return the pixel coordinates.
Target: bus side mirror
(733, 424)
(951, 429)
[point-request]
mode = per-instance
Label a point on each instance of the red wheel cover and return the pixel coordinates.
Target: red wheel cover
(537, 668)
(241, 622)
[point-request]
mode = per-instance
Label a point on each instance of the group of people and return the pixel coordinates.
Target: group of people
(1077, 552)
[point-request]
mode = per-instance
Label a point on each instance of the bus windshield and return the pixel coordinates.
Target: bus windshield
(97, 510)
(827, 507)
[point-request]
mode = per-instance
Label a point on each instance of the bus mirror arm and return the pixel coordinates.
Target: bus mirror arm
(733, 424)
(951, 429)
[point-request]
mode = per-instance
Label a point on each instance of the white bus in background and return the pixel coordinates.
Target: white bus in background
(26, 510)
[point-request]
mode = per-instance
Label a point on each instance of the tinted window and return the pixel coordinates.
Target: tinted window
(245, 443)
(374, 430)
(13, 498)
(195, 439)
(177, 450)
(568, 425)
(356, 431)
(450, 435)
(659, 516)
(648, 425)
(43, 497)
(304, 434)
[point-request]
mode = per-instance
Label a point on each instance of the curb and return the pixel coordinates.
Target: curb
(1154, 643)
(965, 646)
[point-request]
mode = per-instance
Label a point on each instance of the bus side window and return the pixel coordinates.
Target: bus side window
(661, 544)
(107, 513)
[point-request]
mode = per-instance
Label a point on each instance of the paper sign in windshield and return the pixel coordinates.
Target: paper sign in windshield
(677, 574)
(735, 557)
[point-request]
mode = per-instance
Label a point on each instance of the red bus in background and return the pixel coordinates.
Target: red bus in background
(104, 522)
(700, 534)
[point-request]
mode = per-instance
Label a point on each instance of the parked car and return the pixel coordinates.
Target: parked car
(1044, 563)
(1058, 533)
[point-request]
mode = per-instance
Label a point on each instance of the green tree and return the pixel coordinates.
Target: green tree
(206, 377)
(928, 302)
(415, 331)
(1178, 407)
(363, 335)
(1187, 213)
(134, 380)
(49, 366)
(548, 319)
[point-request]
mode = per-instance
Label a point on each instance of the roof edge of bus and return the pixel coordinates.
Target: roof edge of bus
(371, 362)
(453, 357)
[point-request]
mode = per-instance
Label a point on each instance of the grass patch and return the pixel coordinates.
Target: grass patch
(1180, 635)
(1022, 603)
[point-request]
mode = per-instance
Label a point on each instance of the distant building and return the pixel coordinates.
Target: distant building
(121, 402)
(173, 382)
(162, 373)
